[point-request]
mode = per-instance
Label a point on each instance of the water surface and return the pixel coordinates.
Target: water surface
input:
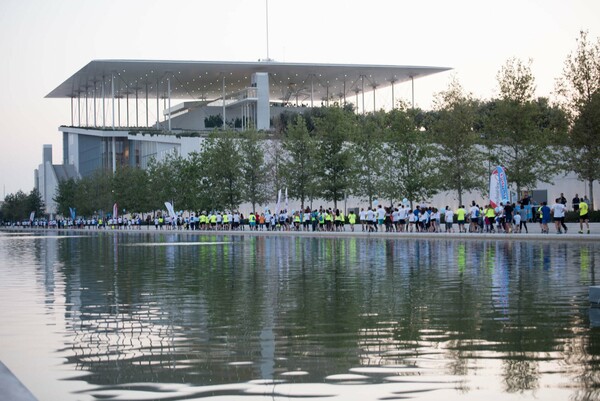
(150, 316)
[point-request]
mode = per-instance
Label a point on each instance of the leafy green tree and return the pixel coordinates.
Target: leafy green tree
(165, 181)
(298, 167)
(223, 170)
(521, 130)
(369, 144)
(333, 128)
(579, 83)
(461, 163)
(95, 194)
(66, 195)
(35, 203)
(254, 170)
(15, 206)
(197, 195)
(580, 79)
(411, 164)
(275, 155)
(584, 156)
(131, 189)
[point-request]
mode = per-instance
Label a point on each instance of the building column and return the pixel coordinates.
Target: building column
(103, 105)
(312, 90)
(95, 111)
(112, 90)
(157, 106)
(362, 89)
(374, 108)
(169, 100)
(147, 121)
(137, 124)
(114, 155)
(393, 101)
(127, 107)
(224, 119)
(87, 123)
(412, 80)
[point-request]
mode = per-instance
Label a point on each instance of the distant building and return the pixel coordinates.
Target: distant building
(121, 111)
(48, 175)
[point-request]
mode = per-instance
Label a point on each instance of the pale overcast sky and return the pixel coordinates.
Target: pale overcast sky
(43, 42)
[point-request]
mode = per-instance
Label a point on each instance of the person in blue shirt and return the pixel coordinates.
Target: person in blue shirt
(545, 212)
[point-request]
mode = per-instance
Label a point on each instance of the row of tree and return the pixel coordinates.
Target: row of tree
(19, 206)
(330, 153)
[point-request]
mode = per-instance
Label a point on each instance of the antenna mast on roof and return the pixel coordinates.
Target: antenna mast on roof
(267, 26)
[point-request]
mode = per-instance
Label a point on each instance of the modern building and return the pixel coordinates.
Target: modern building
(123, 112)
(126, 112)
(47, 177)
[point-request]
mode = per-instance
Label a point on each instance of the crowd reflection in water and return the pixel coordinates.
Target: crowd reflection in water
(233, 309)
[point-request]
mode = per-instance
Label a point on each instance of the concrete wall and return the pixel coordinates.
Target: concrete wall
(47, 186)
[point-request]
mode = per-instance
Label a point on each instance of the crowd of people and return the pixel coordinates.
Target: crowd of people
(502, 218)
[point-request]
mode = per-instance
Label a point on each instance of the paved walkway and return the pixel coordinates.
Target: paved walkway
(533, 235)
(11, 389)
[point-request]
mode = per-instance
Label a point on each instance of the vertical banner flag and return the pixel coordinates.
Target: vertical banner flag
(170, 209)
(115, 211)
(278, 202)
(72, 210)
(498, 187)
(32, 216)
(286, 200)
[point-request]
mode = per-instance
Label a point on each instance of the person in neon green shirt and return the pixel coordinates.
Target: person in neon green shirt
(490, 217)
(583, 216)
(352, 220)
(460, 218)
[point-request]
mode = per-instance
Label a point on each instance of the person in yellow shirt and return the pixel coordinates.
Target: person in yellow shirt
(490, 218)
(352, 220)
(460, 218)
(583, 216)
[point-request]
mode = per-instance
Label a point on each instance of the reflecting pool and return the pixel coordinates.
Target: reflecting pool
(163, 316)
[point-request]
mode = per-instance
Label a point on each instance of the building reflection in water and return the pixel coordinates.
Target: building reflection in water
(249, 308)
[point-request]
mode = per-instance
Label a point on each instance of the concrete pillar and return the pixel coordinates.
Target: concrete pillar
(263, 112)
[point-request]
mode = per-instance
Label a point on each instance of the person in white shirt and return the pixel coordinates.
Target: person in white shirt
(396, 219)
(404, 217)
(558, 212)
(370, 219)
(380, 218)
(449, 219)
(474, 215)
(412, 220)
(517, 221)
(362, 216)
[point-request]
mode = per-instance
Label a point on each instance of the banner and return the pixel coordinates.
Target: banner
(115, 211)
(278, 203)
(498, 187)
(32, 216)
(286, 200)
(72, 210)
(170, 209)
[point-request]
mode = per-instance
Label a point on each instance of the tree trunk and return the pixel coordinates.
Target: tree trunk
(591, 188)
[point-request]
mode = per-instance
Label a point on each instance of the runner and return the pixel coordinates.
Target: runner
(558, 212)
(583, 216)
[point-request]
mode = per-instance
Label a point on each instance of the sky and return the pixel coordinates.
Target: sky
(44, 42)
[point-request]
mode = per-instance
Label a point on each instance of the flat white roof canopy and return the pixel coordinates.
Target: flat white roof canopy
(205, 79)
